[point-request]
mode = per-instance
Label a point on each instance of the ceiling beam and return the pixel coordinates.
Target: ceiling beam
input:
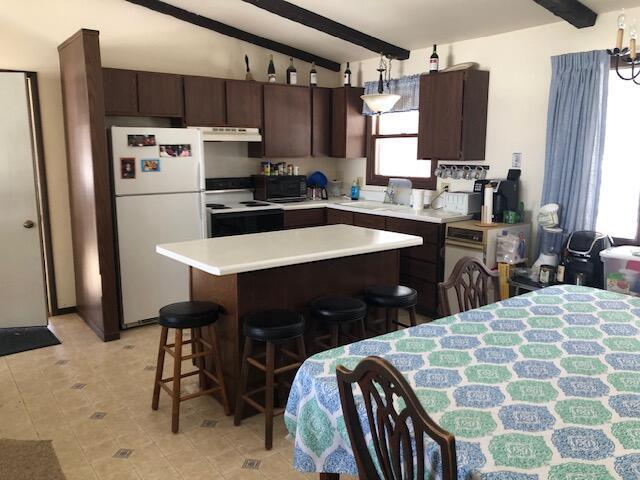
(210, 24)
(328, 26)
(573, 11)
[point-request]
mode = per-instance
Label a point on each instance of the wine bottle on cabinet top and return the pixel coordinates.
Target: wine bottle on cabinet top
(313, 75)
(347, 76)
(271, 70)
(292, 73)
(434, 61)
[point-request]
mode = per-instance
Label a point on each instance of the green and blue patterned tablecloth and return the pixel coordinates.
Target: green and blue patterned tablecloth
(541, 386)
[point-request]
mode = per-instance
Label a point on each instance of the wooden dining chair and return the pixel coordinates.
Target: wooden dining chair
(397, 436)
(471, 281)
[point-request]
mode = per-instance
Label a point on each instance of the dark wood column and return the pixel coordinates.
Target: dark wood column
(89, 184)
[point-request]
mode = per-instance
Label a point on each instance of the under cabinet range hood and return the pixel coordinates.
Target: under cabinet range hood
(229, 134)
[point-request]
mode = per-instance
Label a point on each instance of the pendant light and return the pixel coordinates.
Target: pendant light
(381, 102)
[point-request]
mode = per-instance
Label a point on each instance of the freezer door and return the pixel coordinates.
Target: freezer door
(139, 170)
(148, 280)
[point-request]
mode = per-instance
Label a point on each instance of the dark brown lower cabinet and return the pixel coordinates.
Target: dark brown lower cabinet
(369, 221)
(308, 217)
(335, 217)
(422, 267)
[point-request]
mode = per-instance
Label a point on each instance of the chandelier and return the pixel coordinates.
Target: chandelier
(627, 57)
(381, 102)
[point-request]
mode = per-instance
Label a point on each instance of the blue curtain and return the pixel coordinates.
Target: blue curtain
(575, 137)
(408, 87)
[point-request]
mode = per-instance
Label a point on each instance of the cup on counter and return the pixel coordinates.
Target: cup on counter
(417, 199)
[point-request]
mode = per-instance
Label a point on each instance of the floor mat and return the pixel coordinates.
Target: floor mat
(29, 460)
(14, 340)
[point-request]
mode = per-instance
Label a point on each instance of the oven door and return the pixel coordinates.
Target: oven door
(240, 223)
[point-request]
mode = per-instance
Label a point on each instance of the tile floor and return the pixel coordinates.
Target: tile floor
(93, 399)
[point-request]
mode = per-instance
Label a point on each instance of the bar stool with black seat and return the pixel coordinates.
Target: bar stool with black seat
(197, 316)
(390, 297)
(274, 329)
(338, 313)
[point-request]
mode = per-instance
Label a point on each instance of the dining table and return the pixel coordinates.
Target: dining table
(544, 385)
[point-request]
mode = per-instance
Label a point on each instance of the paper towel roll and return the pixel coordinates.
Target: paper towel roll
(487, 209)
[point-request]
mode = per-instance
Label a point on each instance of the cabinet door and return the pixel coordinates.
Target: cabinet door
(321, 122)
(440, 125)
(160, 94)
(120, 91)
(348, 137)
(287, 121)
(335, 217)
(369, 221)
(244, 104)
(204, 101)
(309, 217)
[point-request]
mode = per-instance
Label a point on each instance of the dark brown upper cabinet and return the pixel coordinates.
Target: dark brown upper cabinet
(453, 115)
(244, 103)
(160, 94)
(287, 121)
(320, 122)
(120, 91)
(205, 103)
(348, 138)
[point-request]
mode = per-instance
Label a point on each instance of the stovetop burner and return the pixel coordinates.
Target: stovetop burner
(217, 206)
(253, 203)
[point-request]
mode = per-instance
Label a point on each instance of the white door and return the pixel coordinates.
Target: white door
(22, 288)
(148, 280)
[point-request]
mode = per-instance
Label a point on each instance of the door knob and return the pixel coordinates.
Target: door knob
(28, 224)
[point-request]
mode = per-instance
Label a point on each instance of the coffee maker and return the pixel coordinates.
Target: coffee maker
(506, 193)
(581, 258)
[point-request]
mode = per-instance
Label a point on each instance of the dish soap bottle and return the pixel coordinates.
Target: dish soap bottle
(355, 190)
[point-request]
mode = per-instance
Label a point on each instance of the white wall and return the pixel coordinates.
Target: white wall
(229, 159)
(520, 68)
(130, 37)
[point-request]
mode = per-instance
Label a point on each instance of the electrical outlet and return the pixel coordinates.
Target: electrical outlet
(444, 186)
(516, 160)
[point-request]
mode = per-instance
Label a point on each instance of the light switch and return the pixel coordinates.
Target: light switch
(516, 160)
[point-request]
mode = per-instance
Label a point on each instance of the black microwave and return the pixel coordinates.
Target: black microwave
(280, 188)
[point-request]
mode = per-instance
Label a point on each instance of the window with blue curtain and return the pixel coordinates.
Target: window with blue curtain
(407, 87)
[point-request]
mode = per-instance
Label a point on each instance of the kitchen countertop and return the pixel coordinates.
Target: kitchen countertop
(259, 251)
(366, 206)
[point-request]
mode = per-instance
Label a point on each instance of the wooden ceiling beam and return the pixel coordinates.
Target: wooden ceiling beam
(572, 11)
(326, 25)
(210, 24)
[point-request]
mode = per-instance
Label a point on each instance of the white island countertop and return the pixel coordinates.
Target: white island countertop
(259, 251)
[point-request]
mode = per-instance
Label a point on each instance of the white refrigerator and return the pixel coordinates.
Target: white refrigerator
(159, 198)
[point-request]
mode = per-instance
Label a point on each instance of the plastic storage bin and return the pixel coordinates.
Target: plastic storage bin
(622, 269)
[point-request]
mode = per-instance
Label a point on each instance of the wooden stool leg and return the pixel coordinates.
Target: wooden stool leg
(159, 368)
(335, 334)
(177, 371)
(412, 316)
(268, 396)
(197, 347)
(242, 381)
(389, 320)
(217, 361)
(302, 353)
(362, 334)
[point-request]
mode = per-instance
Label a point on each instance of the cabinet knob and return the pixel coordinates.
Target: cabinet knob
(28, 224)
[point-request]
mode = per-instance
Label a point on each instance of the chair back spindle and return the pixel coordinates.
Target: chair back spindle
(471, 281)
(397, 427)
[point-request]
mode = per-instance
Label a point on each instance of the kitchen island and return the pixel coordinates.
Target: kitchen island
(284, 269)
